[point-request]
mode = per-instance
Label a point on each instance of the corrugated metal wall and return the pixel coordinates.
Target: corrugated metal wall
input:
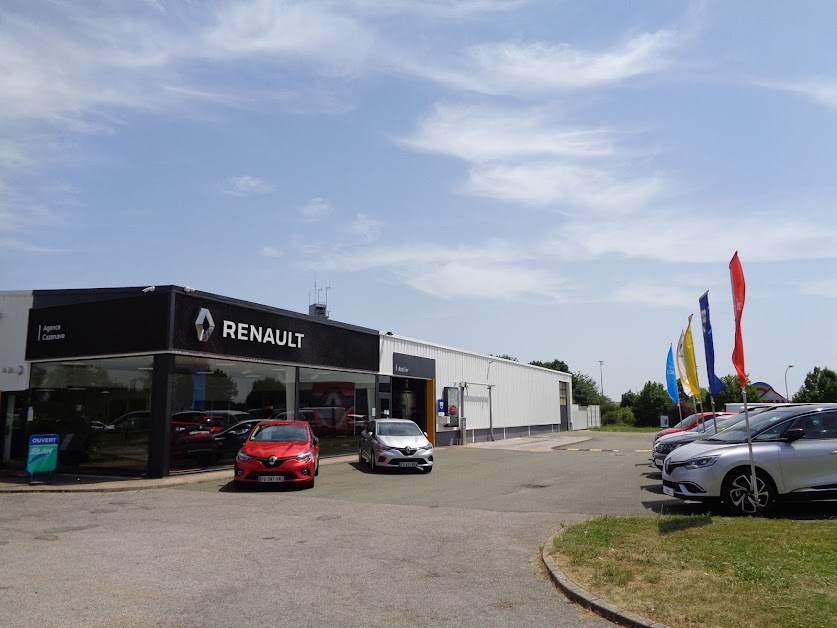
(522, 395)
(14, 306)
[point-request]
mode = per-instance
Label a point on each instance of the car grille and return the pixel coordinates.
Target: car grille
(272, 465)
(670, 466)
(663, 448)
(397, 461)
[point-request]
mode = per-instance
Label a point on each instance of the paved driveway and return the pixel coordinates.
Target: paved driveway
(458, 547)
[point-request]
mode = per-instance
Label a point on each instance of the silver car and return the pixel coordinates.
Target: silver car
(394, 443)
(795, 456)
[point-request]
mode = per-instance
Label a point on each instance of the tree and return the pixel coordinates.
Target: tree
(820, 387)
(732, 393)
(555, 365)
(651, 402)
(585, 390)
(628, 399)
(503, 357)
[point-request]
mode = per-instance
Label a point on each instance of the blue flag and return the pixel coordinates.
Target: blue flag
(715, 384)
(671, 377)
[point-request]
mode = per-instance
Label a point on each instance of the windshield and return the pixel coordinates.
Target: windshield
(398, 429)
(685, 422)
(280, 433)
(760, 425)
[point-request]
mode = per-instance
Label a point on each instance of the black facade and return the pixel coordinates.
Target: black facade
(183, 347)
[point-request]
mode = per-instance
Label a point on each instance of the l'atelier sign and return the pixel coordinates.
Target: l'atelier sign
(413, 366)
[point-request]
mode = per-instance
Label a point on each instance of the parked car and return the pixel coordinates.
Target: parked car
(189, 419)
(195, 443)
(278, 451)
(664, 445)
(232, 438)
(691, 422)
(793, 449)
(394, 443)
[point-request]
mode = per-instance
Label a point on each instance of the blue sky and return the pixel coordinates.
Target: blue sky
(540, 179)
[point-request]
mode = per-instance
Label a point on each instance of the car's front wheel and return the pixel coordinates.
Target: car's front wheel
(372, 465)
(737, 492)
(360, 455)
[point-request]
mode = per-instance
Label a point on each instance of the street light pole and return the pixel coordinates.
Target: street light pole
(787, 397)
(601, 377)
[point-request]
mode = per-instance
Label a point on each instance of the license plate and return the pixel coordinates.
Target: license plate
(271, 478)
(668, 491)
(408, 464)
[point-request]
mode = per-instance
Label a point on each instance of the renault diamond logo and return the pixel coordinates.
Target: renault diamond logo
(204, 325)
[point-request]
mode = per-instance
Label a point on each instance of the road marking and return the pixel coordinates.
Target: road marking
(636, 451)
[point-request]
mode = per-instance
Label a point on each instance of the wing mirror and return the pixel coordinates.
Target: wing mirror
(794, 434)
(315, 440)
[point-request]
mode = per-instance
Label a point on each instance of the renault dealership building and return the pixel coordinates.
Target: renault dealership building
(150, 380)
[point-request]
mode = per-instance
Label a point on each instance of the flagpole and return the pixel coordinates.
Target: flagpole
(755, 496)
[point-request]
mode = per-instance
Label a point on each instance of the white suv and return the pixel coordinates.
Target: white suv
(794, 451)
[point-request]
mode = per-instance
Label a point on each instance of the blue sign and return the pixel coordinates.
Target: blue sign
(43, 453)
(440, 406)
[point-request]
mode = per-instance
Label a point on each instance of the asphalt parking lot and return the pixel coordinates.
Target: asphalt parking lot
(458, 547)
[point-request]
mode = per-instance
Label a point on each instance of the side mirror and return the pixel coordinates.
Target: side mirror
(794, 434)
(315, 440)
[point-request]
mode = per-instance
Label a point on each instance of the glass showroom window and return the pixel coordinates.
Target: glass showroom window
(98, 408)
(213, 400)
(337, 405)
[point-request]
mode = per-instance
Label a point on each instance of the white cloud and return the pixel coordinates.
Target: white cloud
(493, 282)
(315, 210)
(650, 294)
(294, 30)
(680, 237)
(825, 288)
(563, 184)
(519, 68)
(366, 228)
(478, 134)
(270, 251)
(820, 91)
(246, 185)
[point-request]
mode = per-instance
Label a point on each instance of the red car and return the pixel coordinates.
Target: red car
(691, 422)
(278, 451)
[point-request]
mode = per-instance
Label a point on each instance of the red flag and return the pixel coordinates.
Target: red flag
(738, 292)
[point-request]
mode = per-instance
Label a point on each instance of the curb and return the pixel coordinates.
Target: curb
(588, 600)
(117, 486)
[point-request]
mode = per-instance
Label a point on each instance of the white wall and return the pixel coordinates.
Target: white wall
(585, 417)
(14, 307)
(522, 394)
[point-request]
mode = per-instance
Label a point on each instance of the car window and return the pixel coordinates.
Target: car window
(818, 426)
(280, 433)
(398, 429)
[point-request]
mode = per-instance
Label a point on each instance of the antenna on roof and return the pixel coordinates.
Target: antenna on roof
(319, 308)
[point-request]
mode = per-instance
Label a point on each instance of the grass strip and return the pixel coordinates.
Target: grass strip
(708, 571)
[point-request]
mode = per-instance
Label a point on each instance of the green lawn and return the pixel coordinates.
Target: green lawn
(625, 428)
(708, 571)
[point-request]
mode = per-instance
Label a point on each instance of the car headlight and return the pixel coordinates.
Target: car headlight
(701, 463)
(426, 447)
(306, 455)
(241, 457)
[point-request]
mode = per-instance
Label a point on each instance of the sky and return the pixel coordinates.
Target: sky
(545, 180)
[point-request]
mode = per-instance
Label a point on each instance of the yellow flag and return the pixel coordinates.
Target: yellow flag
(689, 358)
